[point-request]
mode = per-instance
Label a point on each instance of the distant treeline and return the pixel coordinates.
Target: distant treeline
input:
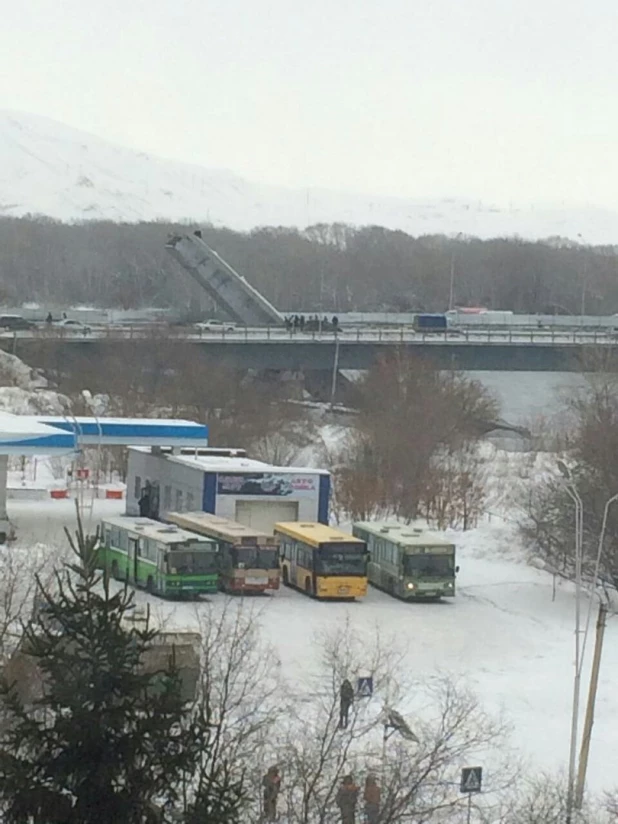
(334, 268)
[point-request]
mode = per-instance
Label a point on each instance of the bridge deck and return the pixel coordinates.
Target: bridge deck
(285, 350)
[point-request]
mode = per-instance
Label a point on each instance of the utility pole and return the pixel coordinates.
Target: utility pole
(333, 386)
(451, 293)
(592, 697)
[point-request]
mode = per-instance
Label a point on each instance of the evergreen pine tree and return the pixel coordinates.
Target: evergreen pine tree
(106, 740)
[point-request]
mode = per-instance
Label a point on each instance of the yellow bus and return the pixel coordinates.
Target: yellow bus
(322, 561)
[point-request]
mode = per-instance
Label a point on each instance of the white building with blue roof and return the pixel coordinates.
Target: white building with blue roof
(251, 492)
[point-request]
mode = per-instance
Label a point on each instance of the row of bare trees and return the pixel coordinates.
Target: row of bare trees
(587, 441)
(160, 376)
(327, 268)
(413, 449)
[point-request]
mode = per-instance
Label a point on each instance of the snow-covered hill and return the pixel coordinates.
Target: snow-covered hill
(51, 169)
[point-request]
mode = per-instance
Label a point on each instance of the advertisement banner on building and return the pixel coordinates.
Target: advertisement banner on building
(257, 483)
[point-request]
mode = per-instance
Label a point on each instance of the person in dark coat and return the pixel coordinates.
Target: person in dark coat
(346, 800)
(346, 699)
(272, 784)
(144, 501)
(371, 798)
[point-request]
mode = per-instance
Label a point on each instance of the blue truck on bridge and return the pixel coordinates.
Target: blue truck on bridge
(430, 323)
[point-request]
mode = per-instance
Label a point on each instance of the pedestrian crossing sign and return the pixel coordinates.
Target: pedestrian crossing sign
(471, 780)
(364, 687)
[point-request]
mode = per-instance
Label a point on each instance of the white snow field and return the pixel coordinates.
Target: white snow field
(505, 633)
(51, 169)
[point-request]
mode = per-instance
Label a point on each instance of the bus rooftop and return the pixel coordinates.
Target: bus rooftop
(404, 535)
(154, 530)
(314, 533)
(205, 523)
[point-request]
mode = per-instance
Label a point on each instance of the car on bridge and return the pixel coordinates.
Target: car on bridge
(15, 323)
(73, 326)
(216, 326)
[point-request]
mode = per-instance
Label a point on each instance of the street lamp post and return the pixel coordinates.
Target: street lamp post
(451, 291)
(89, 400)
(575, 497)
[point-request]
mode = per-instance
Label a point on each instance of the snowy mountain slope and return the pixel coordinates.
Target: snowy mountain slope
(51, 169)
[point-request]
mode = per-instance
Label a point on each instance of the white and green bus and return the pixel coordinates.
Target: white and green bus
(159, 557)
(407, 562)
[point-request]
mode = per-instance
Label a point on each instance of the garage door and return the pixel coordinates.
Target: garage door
(263, 515)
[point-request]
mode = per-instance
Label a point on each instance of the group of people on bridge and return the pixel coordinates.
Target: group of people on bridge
(311, 324)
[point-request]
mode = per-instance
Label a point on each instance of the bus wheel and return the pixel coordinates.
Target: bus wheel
(308, 587)
(150, 584)
(286, 577)
(115, 573)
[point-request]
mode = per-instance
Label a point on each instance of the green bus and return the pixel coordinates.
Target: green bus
(407, 562)
(160, 557)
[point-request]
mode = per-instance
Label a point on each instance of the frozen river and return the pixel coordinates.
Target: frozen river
(526, 396)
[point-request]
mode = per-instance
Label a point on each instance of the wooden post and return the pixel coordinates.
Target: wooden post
(592, 696)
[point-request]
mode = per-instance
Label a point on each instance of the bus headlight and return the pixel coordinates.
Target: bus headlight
(449, 584)
(410, 586)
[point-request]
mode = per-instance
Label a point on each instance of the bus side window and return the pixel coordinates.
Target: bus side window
(108, 538)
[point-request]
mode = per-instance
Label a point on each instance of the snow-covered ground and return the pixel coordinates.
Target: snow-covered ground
(508, 632)
(52, 169)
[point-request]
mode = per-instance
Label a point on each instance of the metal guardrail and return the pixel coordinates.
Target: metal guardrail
(538, 337)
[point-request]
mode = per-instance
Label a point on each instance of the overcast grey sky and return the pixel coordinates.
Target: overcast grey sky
(495, 99)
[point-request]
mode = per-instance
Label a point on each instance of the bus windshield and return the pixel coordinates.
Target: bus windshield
(267, 558)
(341, 559)
(426, 564)
(191, 563)
(244, 556)
(254, 557)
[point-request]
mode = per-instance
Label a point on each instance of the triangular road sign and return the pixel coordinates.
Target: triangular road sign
(364, 687)
(471, 780)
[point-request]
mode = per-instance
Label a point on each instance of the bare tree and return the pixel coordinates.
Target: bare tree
(549, 511)
(411, 416)
(543, 800)
(456, 493)
(415, 759)
(20, 569)
(238, 699)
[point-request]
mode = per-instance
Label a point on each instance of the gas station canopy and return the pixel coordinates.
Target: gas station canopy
(53, 435)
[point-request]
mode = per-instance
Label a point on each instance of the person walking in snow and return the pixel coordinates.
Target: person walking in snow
(271, 784)
(346, 800)
(372, 800)
(346, 699)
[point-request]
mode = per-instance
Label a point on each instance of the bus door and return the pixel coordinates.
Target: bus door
(133, 556)
(291, 553)
(226, 571)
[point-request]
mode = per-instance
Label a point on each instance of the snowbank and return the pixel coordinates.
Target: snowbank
(24, 391)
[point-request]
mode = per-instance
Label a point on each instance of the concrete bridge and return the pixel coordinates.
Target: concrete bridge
(279, 349)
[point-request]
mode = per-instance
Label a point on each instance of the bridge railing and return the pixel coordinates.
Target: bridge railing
(358, 335)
